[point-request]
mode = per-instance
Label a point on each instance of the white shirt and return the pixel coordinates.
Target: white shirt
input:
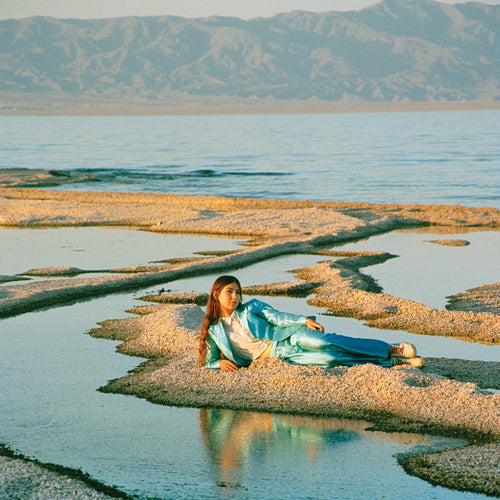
(243, 343)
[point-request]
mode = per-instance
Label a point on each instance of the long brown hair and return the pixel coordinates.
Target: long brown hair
(213, 312)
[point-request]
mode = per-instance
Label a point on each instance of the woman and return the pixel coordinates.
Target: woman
(234, 334)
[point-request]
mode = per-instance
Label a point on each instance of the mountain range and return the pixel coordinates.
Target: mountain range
(393, 51)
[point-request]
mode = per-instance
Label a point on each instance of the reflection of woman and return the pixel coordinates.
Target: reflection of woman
(242, 444)
(230, 438)
(234, 440)
(234, 334)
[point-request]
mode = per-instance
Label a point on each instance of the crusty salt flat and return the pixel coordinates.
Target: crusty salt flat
(447, 397)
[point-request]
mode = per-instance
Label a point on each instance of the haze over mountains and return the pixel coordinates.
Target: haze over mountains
(394, 51)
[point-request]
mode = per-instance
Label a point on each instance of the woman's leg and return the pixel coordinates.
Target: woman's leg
(292, 353)
(312, 347)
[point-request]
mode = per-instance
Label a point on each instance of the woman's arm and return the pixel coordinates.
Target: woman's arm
(312, 325)
(279, 318)
(212, 358)
(215, 359)
(228, 366)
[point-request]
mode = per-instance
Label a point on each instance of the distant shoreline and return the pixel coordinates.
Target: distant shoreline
(123, 108)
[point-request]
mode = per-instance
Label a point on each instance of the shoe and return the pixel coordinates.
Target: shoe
(404, 350)
(416, 362)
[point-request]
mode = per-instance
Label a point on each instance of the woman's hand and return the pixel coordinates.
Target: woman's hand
(312, 325)
(228, 366)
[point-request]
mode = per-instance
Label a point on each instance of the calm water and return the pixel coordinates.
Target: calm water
(431, 157)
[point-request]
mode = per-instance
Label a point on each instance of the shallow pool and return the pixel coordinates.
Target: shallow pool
(97, 248)
(428, 272)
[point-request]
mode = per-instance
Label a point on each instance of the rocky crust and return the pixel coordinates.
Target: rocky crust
(450, 243)
(25, 478)
(485, 298)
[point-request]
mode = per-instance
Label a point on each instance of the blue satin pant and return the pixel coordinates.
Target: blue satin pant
(312, 347)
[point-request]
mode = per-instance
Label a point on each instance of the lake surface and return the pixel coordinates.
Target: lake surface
(50, 408)
(427, 157)
(435, 271)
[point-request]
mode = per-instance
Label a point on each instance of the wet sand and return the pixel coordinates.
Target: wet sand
(448, 397)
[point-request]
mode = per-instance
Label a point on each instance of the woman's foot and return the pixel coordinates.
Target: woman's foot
(416, 362)
(403, 350)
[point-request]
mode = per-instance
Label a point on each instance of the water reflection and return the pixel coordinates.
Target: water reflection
(229, 437)
(237, 443)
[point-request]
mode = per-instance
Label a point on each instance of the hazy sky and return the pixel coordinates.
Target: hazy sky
(186, 8)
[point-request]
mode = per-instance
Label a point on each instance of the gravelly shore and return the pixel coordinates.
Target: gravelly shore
(24, 479)
(446, 397)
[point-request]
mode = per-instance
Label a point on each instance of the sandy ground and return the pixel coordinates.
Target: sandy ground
(17, 104)
(22, 478)
(448, 397)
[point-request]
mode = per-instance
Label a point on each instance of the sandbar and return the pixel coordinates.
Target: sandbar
(23, 478)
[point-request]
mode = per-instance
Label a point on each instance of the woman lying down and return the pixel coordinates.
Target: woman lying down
(234, 334)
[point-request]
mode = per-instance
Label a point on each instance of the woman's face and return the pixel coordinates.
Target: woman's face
(229, 299)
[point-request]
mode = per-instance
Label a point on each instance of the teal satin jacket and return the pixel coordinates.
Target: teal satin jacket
(263, 321)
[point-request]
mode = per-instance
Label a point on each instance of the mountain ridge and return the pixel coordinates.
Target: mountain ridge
(393, 51)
